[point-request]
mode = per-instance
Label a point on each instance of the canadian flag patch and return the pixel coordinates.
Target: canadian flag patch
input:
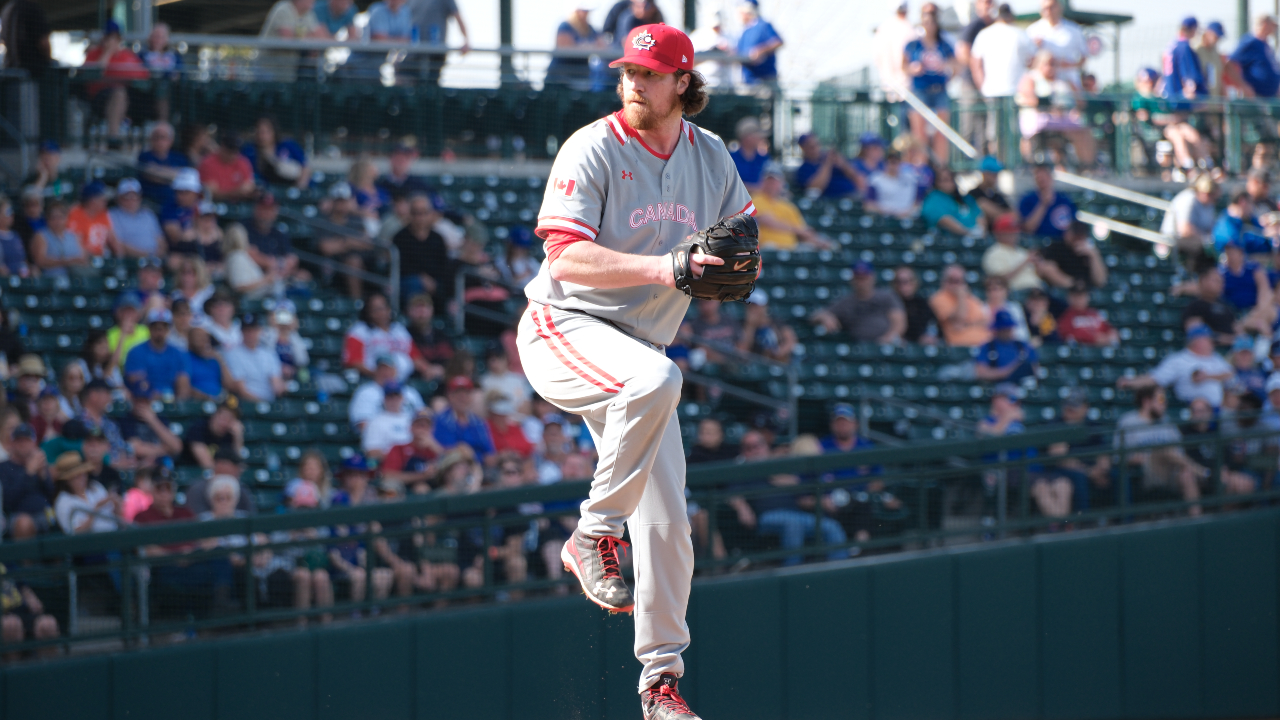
(563, 187)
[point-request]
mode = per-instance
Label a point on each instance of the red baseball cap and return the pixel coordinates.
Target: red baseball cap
(460, 382)
(661, 48)
(1005, 224)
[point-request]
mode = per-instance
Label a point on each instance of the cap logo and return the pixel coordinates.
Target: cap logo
(643, 41)
(684, 58)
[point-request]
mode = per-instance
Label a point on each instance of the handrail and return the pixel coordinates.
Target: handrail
(932, 118)
(391, 283)
(1140, 233)
(1106, 188)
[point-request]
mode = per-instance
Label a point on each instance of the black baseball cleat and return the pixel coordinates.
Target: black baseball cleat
(595, 562)
(663, 702)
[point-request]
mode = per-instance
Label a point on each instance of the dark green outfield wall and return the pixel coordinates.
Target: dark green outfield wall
(1166, 622)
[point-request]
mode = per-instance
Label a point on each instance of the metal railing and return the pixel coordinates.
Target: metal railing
(391, 283)
(167, 583)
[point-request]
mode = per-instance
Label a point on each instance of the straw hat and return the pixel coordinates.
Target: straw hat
(68, 465)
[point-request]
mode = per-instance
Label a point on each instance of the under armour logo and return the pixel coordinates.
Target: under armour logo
(627, 175)
(602, 590)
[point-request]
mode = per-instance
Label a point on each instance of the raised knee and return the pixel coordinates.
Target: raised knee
(664, 380)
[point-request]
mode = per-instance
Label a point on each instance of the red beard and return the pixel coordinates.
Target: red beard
(646, 115)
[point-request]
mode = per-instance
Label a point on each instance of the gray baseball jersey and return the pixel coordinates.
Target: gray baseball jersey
(609, 187)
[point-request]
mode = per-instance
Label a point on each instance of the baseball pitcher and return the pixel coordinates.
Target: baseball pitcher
(643, 210)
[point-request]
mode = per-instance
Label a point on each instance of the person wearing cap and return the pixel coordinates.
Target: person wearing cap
(1003, 358)
(377, 334)
(1183, 76)
(1006, 260)
(1045, 212)
(226, 174)
(91, 223)
(45, 178)
(221, 322)
(758, 44)
(991, 200)
(435, 348)
(1191, 216)
(95, 401)
(414, 462)
(31, 372)
(1258, 184)
(282, 335)
(352, 247)
(1166, 469)
(504, 428)
(350, 559)
(425, 265)
(1090, 477)
(226, 463)
(1193, 372)
(963, 319)
(221, 431)
(254, 365)
(110, 97)
(997, 59)
(752, 153)
(892, 191)
(946, 208)
(13, 252)
(96, 450)
(154, 369)
(276, 160)
(930, 61)
(1073, 259)
(159, 163)
(368, 398)
(781, 225)
(128, 332)
(1218, 73)
(1249, 377)
(24, 479)
(1237, 225)
(1257, 61)
(761, 335)
(399, 181)
(136, 227)
(458, 425)
(48, 418)
(56, 249)
(81, 506)
(827, 173)
(178, 217)
(1082, 324)
(867, 313)
(1245, 284)
(389, 426)
(574, 33)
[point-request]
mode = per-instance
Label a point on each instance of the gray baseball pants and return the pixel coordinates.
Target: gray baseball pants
(626, 391)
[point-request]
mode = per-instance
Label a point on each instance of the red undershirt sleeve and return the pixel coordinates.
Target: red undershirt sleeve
(558, 240)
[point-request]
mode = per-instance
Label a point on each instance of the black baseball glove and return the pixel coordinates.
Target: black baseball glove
(736, 240)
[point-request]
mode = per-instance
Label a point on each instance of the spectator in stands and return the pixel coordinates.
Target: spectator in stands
(220, 432)
(1048, 102)
(826, 173)
(785, 514)
(165, 66)
(95, 400)
(752, 152)
(46, 177)
(1217, 73)
(178, 219)
(154, 369)
(338, 17)
(930, 61)
(269, 245)
(282, 336)
(1082, 324)
(414, 462)
(98, 360)
(24, 478)
(56, 249)
(998, 58)
(148, 435)
(575, 33)
(519, 266)
(71, 380)
(48, 418)
(81, 506)
(91, 224)
(1237, 225)
(436, 349)
(1194, 372)
(1045, 211)
(290, 20)
(193, 286)
(758, 45)
(389, 426)
(226, 463)
(254, 364)
(1007, 261)
(312, 487)
(13, 252)
(921, 324)
(1258, 185)
(276, 160)
(457, 424)
(1257, 61)
(1210, 310)
(225, 173)
(136, 227)
(997, 299)
(368, 397)
(890, 39)
(946, 208)
(845, 435)
(761, 334)
(709, 444)
(400, 181)
(868, 313)
(425, 266)
(158, 165)
(110, 96)
(221, 322)
(1005, 359)
(351, 247)
(371, 200)
(1073, 259)
(31, 373)
(1191, 215)
(350, 559)
(24, 616)
(209, 238)
(1164, 468)
(781, 225)
(1249, 376)
(964, 320)
(1183, 78)
(972, 119)
(987, 193)
(500, 378)
(893, 191)
(30, 219)
(378, 334)
(196, 143)
(1246, 287)
(508, 436)
(243, 274)
(129, 332)
(432, 17)
(1062, 38)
